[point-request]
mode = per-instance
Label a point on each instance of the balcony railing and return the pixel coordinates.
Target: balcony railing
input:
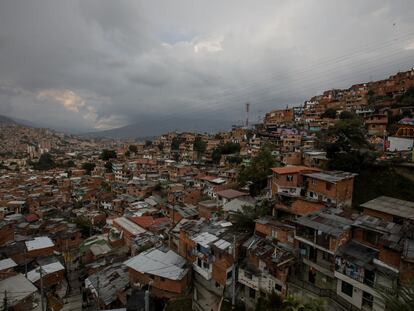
(360, 277)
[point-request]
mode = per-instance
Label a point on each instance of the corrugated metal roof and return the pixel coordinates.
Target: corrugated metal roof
(53, 267)
(39, 243)
(7, 264)
(161, 262)
(392, 206)
(17, 288)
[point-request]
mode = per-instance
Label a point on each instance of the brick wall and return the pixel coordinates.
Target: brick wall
(43, 252)
(6, 234)
(168, 285)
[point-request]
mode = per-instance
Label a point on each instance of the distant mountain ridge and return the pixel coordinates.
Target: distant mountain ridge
(150, 128)
(10, 120)
(4, 119)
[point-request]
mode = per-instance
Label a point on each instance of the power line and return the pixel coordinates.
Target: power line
(311, 85)
(336, 59)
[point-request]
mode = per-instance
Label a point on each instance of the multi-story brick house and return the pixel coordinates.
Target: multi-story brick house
(376, 124)
(370, 260)
(318, 236)
(273, 229)
(334, 188)
(264, 270)
(39, 247)
(165, 271)
(278, 117)
(208, 247)
(6, 232)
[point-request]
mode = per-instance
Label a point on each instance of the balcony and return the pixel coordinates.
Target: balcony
(205, 272)
(249, 278)
(356, 273)
(320, 266)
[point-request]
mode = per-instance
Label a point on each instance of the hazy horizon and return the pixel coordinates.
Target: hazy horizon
(85, 66)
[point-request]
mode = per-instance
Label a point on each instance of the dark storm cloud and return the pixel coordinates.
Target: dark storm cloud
(96, 64)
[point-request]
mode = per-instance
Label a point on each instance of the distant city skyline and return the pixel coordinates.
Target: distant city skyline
(84, 66)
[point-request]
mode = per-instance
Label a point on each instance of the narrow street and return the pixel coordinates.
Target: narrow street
(73, 299)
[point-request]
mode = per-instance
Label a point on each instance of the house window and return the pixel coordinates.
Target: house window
(328, 186)
(289, 177)
(278, 287)
(313, 181)
(199, 262)
(327, 257)
(252, 293)
(347, 288)
(248, 275)
(370, 237)
(274, 233)
(229, 274)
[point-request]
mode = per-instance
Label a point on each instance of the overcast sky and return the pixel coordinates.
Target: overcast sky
(98, 64)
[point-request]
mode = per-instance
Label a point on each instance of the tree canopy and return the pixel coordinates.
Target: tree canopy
(133, 148)
(244, 220)
(88, 167)
(45, 162)
(257, 172)
(227, 148)
(329, 113)
(347, 115)
(199, 146)
(108, 154)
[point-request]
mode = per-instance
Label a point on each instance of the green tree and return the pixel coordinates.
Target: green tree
(347, 115)
(292, 303)
(272, 302)
(161, 146)
(108, 166)
(244, 220)
(329, 113)
(230, 148)
(108, 154)
(45, 162)
(133, 148)
(148, 143)
(199, 146)
(127, 153)
(88, 167)
(346, 145)
(176, 142)
(70, 163)
(256, 174)
(216, 155)
(227, 148)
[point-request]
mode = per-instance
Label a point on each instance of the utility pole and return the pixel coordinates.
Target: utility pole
(41, 288)
(147, 295)
(25, 262)
(233, 275)
(5, 306)
(97, 292)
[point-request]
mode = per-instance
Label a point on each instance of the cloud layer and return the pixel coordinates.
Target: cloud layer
(98, 64)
